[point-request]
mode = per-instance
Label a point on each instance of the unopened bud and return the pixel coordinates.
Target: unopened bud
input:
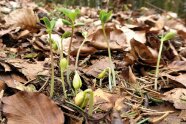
(77, 81)
(63, 63)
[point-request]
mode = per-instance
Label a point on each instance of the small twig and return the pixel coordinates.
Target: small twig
(160, 118)
(44, 84)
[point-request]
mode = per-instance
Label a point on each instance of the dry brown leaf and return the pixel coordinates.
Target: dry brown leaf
(176, 96)
(116, 37)
(31, 108)
(24, 18)
(104, 100)
(30, 70)
(177, 66)
(145, 53)
(180, 78)
(97, 67)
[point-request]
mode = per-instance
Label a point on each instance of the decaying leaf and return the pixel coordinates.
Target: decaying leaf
(24, 18)
(176, 96)
(116, 37)
(97, 67)
(31, 108)
(145, 53)
(177, 66)
(179, 79)
(104, 100)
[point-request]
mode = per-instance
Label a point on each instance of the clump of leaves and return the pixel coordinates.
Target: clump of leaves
(49, 27)
(105, 16)
(164, 38)
(71, 16)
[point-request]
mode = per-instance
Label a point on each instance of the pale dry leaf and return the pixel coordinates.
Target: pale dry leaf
(25, 18)
(177, 66)
(104, 100)
(179, 79)
(177, 96)
(31, 108)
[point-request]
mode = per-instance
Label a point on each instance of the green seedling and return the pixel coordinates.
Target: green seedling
(82, 99)
(77, 56)
(164, 38)
(71, 16)
(63, 62)
(102, 75)
(49, 27)
(104, 17)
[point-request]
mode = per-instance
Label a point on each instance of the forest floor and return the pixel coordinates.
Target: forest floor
(134, 38)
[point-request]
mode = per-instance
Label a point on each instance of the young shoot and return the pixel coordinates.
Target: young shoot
(63, 62)
(71, 16)
(104, 17)
(102, 75)
(79, 50)
(164, 38)
(49, 27)
(82, 99)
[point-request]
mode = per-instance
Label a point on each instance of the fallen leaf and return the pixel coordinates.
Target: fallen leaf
(31, 108)
(104, 100)
(179, 79)
(177, 66)
(177, 96)
(97, 67)
(24, 18)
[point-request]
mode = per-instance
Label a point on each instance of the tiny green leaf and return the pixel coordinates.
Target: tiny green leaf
(104, 16)
(77, 81)
(71, 14)
(168, 36)
(52, 24)
(66, 22)
(66, 34)
(79, 24)
(47, 22)
(54, 46)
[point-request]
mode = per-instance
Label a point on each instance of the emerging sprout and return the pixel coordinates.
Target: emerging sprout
(71, 16)
(167, 36)
(79, 99)
(104, 17)
(49, 27)
(77, 81)
(82, 99)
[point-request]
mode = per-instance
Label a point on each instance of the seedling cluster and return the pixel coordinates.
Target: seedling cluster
(81, 98)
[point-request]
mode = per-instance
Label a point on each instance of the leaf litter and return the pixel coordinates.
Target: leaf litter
(134, 42)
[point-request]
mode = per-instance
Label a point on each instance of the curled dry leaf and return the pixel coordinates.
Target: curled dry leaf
(24, 18)
(145, 53)
(31, 108)
(176, 96)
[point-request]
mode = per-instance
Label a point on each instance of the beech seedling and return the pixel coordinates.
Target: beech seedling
(164, 38)
(105, 16)
(63, 62)
(49, 27)
(71, 16)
